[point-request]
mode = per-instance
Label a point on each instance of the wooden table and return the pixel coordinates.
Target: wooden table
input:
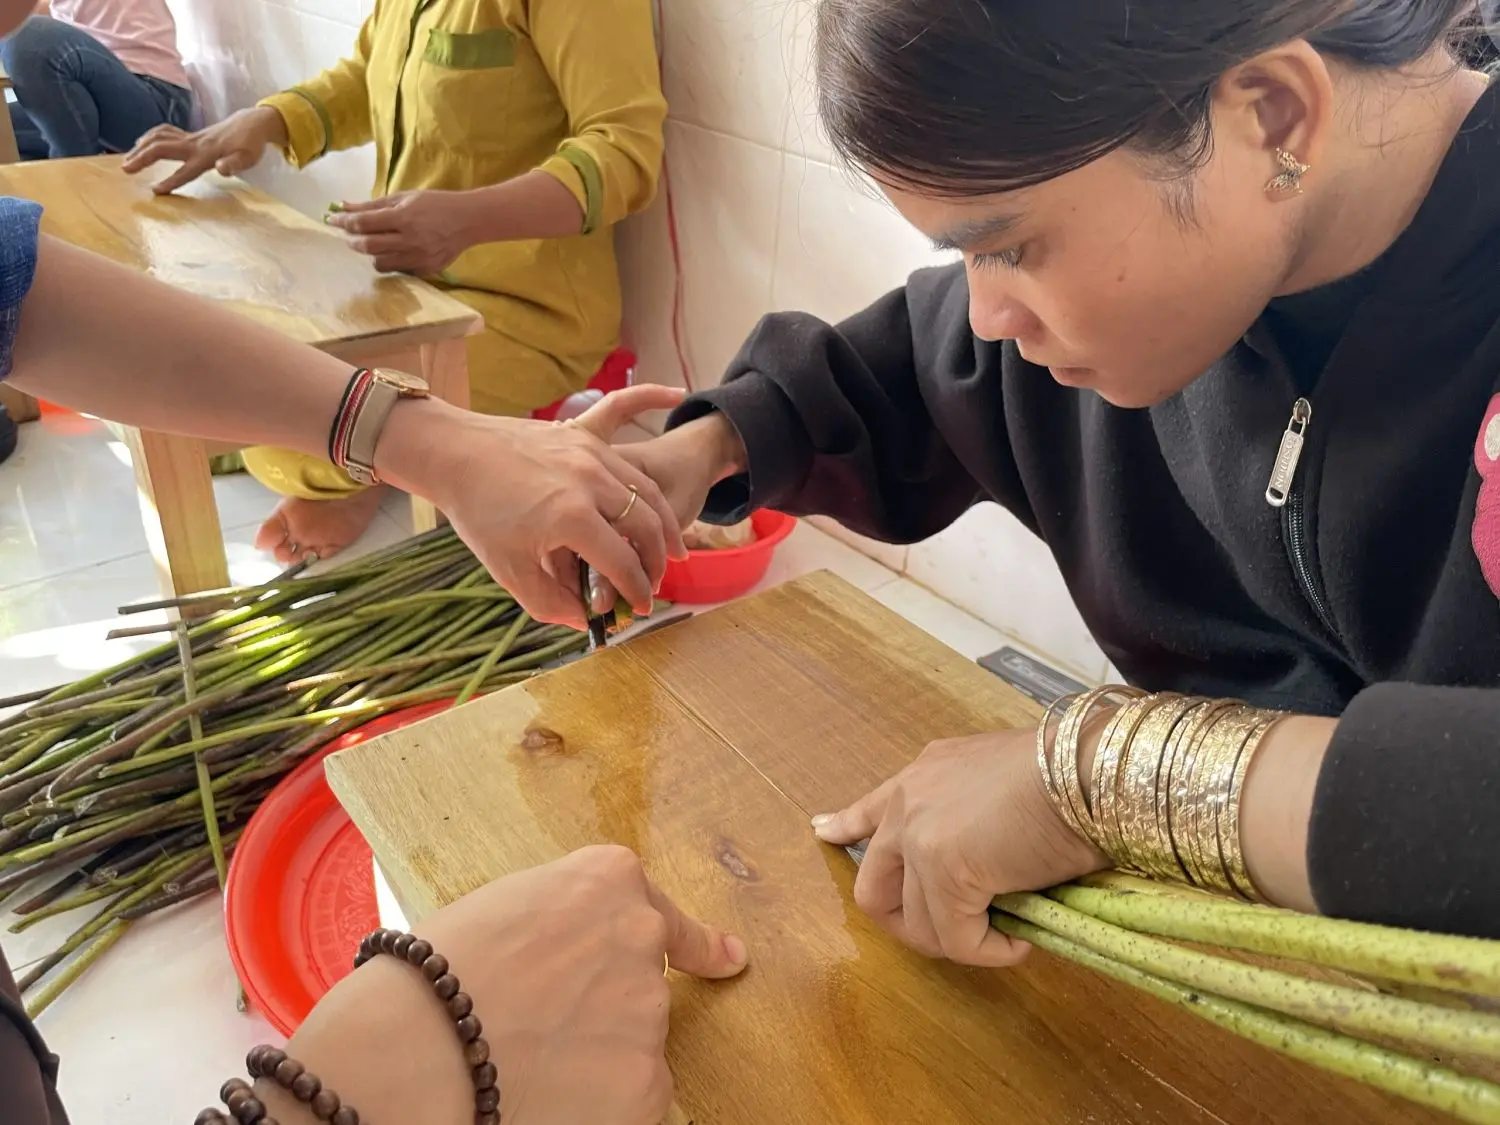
(706, 747)
(221, 239)
(9, 153)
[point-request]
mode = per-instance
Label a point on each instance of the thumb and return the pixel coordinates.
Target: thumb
(234, 163)
(614, 410)
(696, 948)
(858, 821)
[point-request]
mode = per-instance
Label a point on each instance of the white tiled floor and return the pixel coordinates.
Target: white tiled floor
(156, 1019)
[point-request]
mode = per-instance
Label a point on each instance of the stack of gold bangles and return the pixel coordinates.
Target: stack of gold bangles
(1163, 794)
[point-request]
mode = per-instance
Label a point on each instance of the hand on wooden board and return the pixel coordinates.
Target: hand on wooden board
(233, 146)
(415, 232)
(564, 964)
(966, 821)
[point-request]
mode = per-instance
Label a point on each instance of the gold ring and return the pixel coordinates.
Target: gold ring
(629, 504)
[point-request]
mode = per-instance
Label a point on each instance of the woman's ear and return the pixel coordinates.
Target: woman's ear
(1281, 99)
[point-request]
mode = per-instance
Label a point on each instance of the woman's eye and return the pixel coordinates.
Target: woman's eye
(1008, 259)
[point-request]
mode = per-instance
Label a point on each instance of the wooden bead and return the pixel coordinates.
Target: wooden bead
(305, 1087)
(211, 1117)
(418, 951)
(459, 1005)
(238, 1097)
(250, 1112)
(287, 1072)
(446, 986)
(476, 1053)
(231, 1087)
(255, 1059)
(469, 1029)
(434, 965)
(484, 1075)
(491, 1118)
(388, 940)
(325, 1104)
(487, 1099)
(345, 1116)
(401, 945)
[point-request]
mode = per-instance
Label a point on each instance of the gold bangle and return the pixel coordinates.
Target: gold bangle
(1110, 763)
(1044, 755)
(1230, 843)
(1188, 812)
(1226, 747)
(1142, 782)
(1065, 754)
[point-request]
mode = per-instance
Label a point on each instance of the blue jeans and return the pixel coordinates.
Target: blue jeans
(75, 98)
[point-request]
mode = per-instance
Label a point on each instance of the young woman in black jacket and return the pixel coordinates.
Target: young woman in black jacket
(1226, 335)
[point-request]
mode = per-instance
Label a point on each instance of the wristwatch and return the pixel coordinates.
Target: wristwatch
(372, 394)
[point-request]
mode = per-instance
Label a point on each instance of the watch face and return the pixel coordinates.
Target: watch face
(407, 384)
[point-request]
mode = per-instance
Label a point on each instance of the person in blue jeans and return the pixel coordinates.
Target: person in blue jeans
(92, 76)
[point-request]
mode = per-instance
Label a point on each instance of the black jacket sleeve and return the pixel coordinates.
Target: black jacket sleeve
(1406, 818)
(28, 1073)
(840, 421)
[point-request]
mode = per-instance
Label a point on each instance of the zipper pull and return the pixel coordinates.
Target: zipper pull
(1280, 488)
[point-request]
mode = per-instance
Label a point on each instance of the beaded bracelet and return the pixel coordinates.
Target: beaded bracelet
(274, 1065)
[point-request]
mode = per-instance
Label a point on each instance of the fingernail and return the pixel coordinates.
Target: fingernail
(735, 950)
(327, 220)
(335, 208)
(821, 823)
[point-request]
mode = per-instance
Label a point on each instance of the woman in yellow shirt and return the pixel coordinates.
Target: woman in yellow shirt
(510, 135)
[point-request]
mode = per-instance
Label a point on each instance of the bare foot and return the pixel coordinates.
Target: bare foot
(324, 527)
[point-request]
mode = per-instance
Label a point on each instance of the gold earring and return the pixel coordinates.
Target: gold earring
(1289, 180)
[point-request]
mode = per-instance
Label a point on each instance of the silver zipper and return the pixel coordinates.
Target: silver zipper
(1289, 454)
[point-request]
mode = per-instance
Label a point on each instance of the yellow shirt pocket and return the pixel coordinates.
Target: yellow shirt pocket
(466, 80)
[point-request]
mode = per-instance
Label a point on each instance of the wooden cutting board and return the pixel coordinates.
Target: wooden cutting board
(706, 747)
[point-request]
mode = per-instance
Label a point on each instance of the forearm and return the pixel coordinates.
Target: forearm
(112, 342)
(386, 1046)
(834, 420)
(534, 205)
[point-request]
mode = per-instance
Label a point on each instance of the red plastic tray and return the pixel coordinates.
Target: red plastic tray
(301, 889)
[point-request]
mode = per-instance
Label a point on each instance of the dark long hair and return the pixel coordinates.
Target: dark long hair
(961, 97)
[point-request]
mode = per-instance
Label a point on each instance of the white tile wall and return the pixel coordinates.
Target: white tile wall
(766, 220)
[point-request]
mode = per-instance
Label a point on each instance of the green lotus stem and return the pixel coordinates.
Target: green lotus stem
(50, 894)
(200, 767)
(409, 664)
(487, 665)
(182, 893)
(429, 597)
(91, 894)
(1468, 1099)
(188, 749)
(1456, 964)
(44, 999)
(1349, 1010)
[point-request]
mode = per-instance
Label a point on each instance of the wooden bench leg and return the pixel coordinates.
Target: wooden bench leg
(445, 366)
(179, 512)
(9, 153)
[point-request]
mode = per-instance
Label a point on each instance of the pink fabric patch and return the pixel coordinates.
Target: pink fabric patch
(1486, 534)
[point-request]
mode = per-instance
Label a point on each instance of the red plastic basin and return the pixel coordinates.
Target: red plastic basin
(705, 577)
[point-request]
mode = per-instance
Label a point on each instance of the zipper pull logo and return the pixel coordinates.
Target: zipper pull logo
(1280, 488)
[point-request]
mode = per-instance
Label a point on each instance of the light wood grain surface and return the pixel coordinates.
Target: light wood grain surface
(706, 747)
(225, 241)
(221, 239)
